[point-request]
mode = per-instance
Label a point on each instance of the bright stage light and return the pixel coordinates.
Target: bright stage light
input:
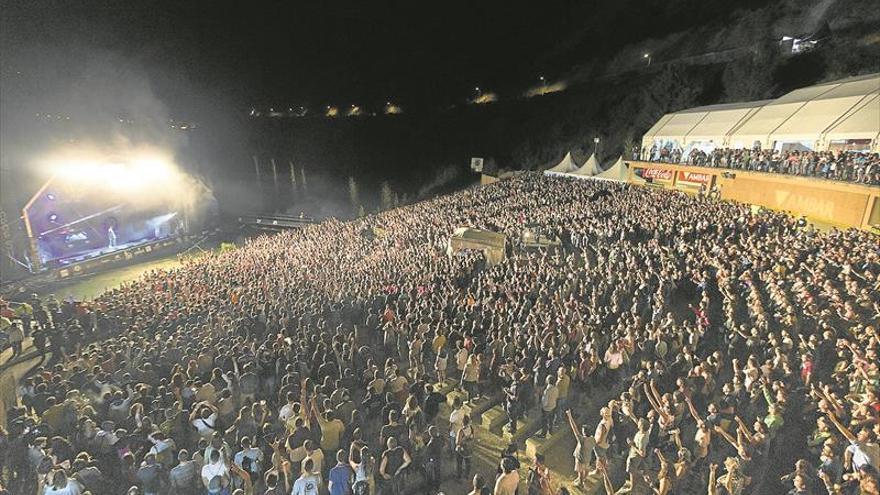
(121, 169)
(148, 195)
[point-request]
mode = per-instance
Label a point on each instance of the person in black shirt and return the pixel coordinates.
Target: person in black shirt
(479, 486)
(433, 460)
(390, 405)
(394, 462)
(432, 403)
(394, 429)
(418, 389)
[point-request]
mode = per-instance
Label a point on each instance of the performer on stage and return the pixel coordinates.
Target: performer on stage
(111, 237)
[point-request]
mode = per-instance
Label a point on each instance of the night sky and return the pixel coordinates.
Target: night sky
(340, 51)
(309, 53)
(107, 63)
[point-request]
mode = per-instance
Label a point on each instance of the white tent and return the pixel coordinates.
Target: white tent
(758, 127)
(719, 121)
(566, 166)
(680, 125)
(589, 168)
(811, 117)
(656, 129)
(859, 123)
(618, 172)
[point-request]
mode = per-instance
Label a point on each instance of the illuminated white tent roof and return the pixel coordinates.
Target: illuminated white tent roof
(680, 124)
(759, 126)
(589, 168)
(566, 166)
(858, 123)
(720, 120)
(655, 129)
(838, 110)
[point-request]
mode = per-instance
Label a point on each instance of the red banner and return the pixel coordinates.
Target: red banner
(694, 179)
(657, 174)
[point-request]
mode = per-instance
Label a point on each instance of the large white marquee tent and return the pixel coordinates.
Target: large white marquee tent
(589, 168)
(618, 172)
(566, 166)
(843, 114)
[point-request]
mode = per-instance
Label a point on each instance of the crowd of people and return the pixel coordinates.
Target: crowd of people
(738, 349)
(858, 167)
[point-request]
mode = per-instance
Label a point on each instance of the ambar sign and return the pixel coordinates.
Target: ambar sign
(694, 178)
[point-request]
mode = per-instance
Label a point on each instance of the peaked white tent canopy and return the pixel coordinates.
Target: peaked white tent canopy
(842, 111)
(618, 172)
(589, 168)
(566, 166)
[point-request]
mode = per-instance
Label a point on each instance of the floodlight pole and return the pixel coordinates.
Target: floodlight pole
(274, 175)
(36, 262)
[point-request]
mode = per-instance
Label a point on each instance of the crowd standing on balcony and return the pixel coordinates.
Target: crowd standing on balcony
(859, 167)
(689, 346)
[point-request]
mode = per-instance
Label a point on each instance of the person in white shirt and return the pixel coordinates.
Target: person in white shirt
(16, 337)
(440, 366)
(204, 419)
(251, 456)
(290, 409)
(456, 419)
(217, 443)
(215, 474)
(316, 456)
(549, 398)
(105, 438)
(461, 357)
(163, 448)
(603, 435)
(61, 485)
(308, 483)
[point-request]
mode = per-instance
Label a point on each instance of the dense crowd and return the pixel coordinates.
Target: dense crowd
(739, 350)
(859, 167)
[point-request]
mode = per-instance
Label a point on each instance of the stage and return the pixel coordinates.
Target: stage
(96, 253)
(107, 258)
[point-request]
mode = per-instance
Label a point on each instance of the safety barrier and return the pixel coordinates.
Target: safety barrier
(837, 203)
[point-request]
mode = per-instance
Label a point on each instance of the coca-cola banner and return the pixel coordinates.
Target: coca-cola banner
(655, 174)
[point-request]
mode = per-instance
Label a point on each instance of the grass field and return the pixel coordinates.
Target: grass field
(91, 286)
